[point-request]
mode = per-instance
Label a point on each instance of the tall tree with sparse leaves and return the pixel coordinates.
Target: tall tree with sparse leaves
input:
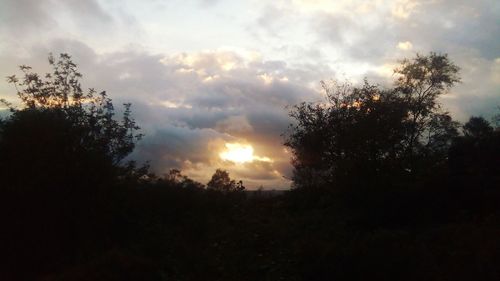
(429, 129)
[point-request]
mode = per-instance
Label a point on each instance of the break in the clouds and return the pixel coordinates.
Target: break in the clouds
(205, 73)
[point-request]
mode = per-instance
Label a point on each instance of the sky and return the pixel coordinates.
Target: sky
(211, 82)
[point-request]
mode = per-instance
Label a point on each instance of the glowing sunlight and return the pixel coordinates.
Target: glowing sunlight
(240, 153)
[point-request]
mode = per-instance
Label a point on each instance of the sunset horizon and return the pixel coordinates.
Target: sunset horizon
(201, 74)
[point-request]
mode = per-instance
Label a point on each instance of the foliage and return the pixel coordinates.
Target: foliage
(91, 113)
(496, 119)
(62, 154)
(363, 133)
(474, 158)
(356, 131)
(61, 133)
(477, 127)
(69, 133)
(221, 181)
(420, 83)
(78, 221)
(176, 178)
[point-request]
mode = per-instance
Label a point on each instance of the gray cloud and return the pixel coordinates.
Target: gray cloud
(44, 15)
(187, 119)
(190, 104)
(25, 14)
(463, 29)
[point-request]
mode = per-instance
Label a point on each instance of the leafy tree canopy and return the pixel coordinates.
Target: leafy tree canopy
(367, 132)
(221, 181)
(477, 127)
(175, 178)
(60, 132)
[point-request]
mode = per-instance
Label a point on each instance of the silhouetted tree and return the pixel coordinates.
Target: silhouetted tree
(429, 130)
(362, 133)
(477, 127)
(74, 131)
(474, 158)
(62, 152)
(175, 178)
(496, 119)
(357, 131)
(221, 181)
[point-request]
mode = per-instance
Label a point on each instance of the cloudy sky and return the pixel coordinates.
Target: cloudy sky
(210, 80)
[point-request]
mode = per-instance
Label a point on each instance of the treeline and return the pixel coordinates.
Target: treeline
(397, 148)
(387, 186)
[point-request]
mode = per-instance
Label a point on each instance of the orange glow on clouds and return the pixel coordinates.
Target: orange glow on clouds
(240, 153)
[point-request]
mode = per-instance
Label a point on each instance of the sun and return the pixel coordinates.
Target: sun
(240, 153)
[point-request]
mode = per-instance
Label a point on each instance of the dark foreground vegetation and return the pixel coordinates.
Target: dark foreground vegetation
(386, 187)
